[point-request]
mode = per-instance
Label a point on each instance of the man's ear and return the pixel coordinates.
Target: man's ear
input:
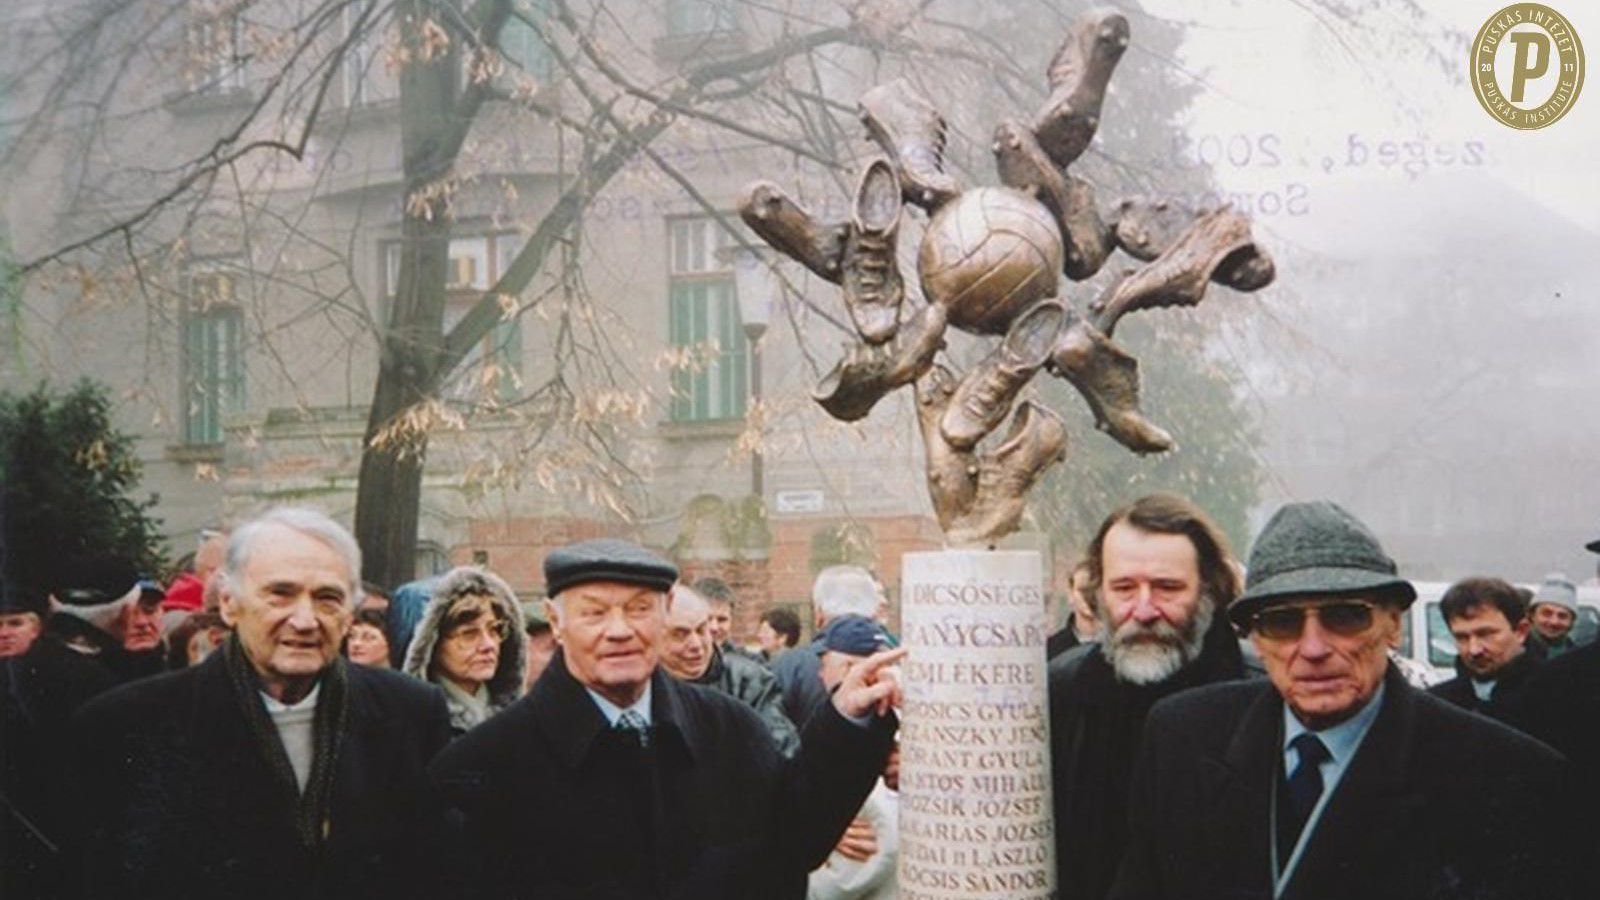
(1522, 628)
(552, 611)
(225, 601)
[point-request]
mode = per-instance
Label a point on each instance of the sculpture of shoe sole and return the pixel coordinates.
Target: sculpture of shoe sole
(1108, 378)
(868, 372)
(1024, 166)
(872, 285)
(912, 132)
(1146, 228)
(1178, 277)
(1078, 76)
(1037, 440)
(792, 231)
(980, 499)
(952, 472)
(986, 393)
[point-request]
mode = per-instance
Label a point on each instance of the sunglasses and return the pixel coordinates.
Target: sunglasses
(1342, 617)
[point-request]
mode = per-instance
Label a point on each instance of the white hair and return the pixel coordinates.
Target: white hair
(309, 522)
(845, 590)
(1150, 654)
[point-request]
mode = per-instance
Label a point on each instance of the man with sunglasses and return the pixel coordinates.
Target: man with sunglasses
(1337, 779)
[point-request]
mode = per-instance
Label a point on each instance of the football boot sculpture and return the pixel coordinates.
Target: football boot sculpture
(991, 262)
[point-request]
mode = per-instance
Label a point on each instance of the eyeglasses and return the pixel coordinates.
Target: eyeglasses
(498, 630)
(1342, 617)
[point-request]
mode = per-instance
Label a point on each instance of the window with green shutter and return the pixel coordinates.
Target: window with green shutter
(710, 380)
(476, 263)
(686, 17)
(213, 357)
(520, 42)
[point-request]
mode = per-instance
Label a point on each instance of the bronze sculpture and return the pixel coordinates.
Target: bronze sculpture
(990, 263)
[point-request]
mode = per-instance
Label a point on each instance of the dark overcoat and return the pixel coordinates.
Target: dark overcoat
(1437, 803)
(1560, 705)
(1510, 682)
(39, 692)
(177, 800)
(548, 802)
(799, 675)
(1095, 724)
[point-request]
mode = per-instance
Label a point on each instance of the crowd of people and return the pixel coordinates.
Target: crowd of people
(268, 724)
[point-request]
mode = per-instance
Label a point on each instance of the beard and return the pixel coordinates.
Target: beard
(1149, 654)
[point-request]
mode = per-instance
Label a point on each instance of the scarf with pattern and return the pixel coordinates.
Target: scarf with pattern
(312, 811)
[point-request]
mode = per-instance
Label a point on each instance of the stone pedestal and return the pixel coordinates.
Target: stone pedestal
(975, 808)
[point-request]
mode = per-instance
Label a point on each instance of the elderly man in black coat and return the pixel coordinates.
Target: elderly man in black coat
(272, 769)
(613, 780)
(1337, 779)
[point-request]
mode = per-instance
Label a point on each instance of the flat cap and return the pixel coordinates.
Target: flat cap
(606, 559)
(1316, 548)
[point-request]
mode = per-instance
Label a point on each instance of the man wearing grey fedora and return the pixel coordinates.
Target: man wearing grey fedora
(1335, 778)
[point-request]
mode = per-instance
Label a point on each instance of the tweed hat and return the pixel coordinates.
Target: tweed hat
(1557, 590)
(606, 559)
(1316, 548)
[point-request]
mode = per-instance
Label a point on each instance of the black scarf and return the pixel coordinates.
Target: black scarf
(327, 730)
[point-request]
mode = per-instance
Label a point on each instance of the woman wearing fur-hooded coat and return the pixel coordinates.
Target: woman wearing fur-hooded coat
(469, 642)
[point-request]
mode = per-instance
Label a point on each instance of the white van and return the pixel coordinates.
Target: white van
(1438, 650)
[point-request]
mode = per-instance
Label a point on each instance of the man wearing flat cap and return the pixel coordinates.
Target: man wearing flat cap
(1335, 778)
(613, 780)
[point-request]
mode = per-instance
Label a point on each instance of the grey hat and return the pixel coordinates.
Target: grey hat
(1316, 548)
(606, 559)
(1556, 590)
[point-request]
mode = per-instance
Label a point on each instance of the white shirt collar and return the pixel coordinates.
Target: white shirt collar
(612, 711)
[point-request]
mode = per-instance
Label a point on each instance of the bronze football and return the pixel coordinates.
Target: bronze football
(988, 255)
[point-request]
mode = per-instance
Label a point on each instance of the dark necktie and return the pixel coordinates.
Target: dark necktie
(631, 722)
(1301, 791)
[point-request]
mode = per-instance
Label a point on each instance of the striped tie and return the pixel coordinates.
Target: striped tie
(631, 721)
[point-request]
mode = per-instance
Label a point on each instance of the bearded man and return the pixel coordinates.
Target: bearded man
(1159, 570)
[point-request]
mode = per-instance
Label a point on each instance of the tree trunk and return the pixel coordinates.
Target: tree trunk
(435, 114)
(389, 493)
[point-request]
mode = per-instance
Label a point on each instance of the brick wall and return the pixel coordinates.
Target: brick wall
(517, 546)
